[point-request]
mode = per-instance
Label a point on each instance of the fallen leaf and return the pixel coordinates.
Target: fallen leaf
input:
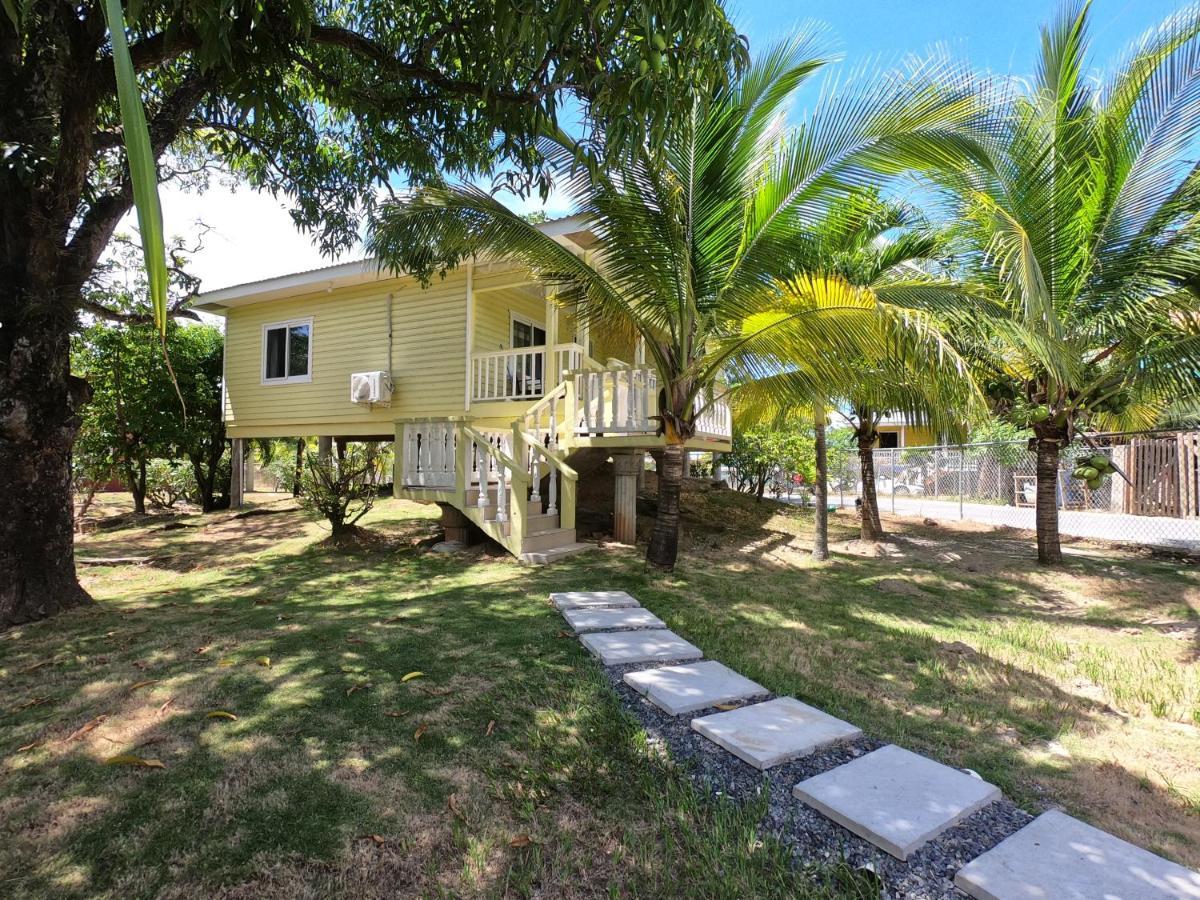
(361, 686)
(220, 714)
(29, 746)
(128, 759)
(36, 666)
(138, 664)
(564, 634)
(521, 840)
(263, 601)
(420, 731)
(142, 684)
(226, 662)
(411, 675)
(491, 727)
(84, 729)
(377, 838)
(264, 661)
(725, 706)
(437, 692)
(203, 649)
(354, 640)
(397, 713)
(36, 701)
(452, 803)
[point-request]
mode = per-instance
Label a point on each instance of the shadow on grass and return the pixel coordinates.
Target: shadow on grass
(338, 776)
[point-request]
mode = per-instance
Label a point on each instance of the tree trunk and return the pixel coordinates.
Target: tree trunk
(1046, 518)
(39, 403)
(820, 549)
(872, 528)
(664, 540)
(299, 467)
(135, 478)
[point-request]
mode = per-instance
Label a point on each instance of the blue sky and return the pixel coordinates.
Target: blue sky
(252, 236)
(1001, 35)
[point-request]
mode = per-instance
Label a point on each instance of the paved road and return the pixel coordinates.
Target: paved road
(1150, 531)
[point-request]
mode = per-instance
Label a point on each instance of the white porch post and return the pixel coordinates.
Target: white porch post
(469, 335)
(625, 469)
(237, 471)
(552, 372)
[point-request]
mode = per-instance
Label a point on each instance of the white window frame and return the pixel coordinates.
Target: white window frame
(513, 318)
(293, 379)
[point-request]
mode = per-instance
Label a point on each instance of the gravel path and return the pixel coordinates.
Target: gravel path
(928, 874)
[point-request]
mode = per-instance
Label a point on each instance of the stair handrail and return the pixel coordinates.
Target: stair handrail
(510, 473)
(535, 451)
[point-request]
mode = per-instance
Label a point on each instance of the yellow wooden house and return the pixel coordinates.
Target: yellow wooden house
(498, 403)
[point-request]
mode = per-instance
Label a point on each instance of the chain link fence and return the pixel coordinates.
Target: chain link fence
(1156, 504)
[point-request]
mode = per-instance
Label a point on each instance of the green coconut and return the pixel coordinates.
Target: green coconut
(1101, 462)
(1094, 483)
(1039, 414)
(1087, 473)
(1077, 472)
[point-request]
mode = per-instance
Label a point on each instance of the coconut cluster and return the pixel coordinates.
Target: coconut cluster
(1092, 468)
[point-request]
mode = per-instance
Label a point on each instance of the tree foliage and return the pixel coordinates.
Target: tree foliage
(761, 453)
(135, 415)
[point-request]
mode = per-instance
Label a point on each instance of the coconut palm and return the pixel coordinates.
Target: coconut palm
(873, 250)
(693, 233)
(1083, 224)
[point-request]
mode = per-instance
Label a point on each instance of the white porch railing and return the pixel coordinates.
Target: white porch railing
(715, 419)
(522, 373)
(615, 400)
(428, 454)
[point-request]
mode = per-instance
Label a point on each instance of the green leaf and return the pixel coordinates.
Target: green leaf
(143, 169)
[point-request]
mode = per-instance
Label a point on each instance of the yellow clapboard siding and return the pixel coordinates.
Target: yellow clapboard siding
(350, 334)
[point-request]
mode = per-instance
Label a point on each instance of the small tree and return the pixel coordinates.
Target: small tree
(760, 452)
(342, 488)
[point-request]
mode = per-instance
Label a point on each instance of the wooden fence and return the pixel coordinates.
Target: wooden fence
(1165, 475)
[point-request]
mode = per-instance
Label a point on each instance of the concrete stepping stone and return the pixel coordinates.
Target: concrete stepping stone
(622, 618)
(1060, 857)
(767, 734)
(896, 799)
(620, 648)
(592, 600)
(682, 689)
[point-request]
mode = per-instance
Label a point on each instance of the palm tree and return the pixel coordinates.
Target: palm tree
(691, 234)
(873, 250)
(1083, 223)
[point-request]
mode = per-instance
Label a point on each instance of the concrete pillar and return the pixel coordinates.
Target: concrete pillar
(237, 472)
(324, 446)
(625, 469)
(455, 524)
(641, 467)
(687, 464)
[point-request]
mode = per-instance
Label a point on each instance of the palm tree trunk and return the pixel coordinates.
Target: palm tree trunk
(872, 528)
(1046, 516)
(820, 549)
(664, 540)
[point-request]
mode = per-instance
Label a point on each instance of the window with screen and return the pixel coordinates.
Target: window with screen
(287, 351)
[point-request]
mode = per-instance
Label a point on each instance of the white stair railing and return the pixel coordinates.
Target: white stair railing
(715, 419)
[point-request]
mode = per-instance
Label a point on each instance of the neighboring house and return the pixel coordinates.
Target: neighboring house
(894, 431)
(498, 404)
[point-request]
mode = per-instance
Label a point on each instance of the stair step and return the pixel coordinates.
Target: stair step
(547, 540)
(545, 557)
(542, 522)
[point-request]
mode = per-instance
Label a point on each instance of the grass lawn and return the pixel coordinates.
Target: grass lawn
(507, 767)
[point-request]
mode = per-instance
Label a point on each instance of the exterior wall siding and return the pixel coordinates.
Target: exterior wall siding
(350, 334)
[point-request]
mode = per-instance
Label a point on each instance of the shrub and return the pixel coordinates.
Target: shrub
(167, 482)
(342, 491)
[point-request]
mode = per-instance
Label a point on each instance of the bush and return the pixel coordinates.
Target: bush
(169, 481)
(342, 491)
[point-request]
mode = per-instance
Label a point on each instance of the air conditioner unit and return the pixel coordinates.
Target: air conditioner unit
(370, 387)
